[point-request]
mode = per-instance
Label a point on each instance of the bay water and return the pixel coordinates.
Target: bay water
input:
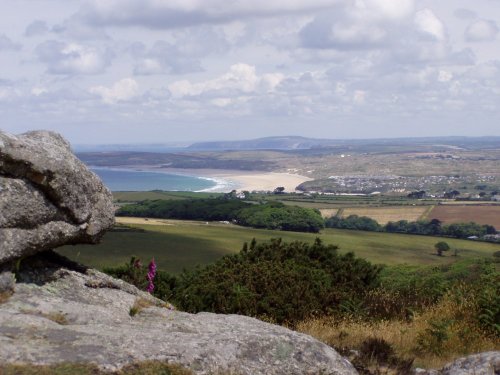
(117, 179)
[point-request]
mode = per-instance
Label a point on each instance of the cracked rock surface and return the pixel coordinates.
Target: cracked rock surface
(487, 363)
(59, 313)
(48, 198)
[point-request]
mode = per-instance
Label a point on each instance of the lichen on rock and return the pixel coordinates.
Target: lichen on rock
(48, 198)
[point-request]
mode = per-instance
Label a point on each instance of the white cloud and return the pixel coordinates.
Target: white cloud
(481, 30)
(37, 91)
(7, 44)
(182, 55)
(465, 14)
(241, 78)
(361, 24)
(384, 9)
(160, 14)
(36, 28)
(427, 22)
(73, 58)
(122, 90)
(359, 97)
(444, 76)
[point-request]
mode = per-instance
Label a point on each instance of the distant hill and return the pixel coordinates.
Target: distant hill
(267, 143)
(304, 143)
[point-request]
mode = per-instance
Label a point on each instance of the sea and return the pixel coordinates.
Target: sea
(117, 179)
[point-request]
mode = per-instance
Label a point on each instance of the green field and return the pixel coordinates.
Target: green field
(137, 196)
(184, 244)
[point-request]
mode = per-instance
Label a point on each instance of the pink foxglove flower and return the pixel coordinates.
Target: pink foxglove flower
(151, 275)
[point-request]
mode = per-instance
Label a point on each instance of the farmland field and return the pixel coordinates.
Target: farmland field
(478, 214)
(385, 214)
(328, 212)
(184, 244)
(136, 196)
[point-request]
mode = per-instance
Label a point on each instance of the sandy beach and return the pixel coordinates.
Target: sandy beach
(261, 180)
(227, 180)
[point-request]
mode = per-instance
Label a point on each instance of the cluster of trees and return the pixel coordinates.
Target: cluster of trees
(417, 194)
(272, 215)
(432, 227)
(185, 209)
(275, 215)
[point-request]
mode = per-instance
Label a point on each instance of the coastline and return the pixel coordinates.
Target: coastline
(226, 180)
(263, 181)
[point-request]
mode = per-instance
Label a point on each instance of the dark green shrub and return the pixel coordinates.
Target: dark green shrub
(441, 246)
(353, 222)
(284, 282)
(488, 294)
(376, 349)
(278, 216)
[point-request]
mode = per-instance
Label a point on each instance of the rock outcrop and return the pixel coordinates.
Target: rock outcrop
(64, 313)
(48, 197)
(487, 363)
(56, 311)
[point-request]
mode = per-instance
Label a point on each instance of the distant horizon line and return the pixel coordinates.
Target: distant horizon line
(181, 144)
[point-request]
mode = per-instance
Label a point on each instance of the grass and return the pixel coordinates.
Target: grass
(139, 305)
(137, 196)
(179, 244)
(328, 212)
(432, 338)
(4, 296)
(141, 368)
(56, 317)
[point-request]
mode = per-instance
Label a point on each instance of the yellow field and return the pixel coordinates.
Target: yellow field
(140, 220)
(385, 214)
(328, 212)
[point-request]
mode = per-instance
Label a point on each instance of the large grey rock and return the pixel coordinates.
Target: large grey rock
(487, 363)
(60, 314)
(48, 197)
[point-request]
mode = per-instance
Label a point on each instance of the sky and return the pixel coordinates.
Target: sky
(166, 71)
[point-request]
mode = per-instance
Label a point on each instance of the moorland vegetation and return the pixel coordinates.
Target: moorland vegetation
(396, 315)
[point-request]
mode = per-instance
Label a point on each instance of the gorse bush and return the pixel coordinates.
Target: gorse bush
(275, 280)
(284, 282)
(488, 303)
(405, 289)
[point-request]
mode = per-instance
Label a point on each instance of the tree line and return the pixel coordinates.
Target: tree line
(271, 215)
(276, 215)
(432, 227)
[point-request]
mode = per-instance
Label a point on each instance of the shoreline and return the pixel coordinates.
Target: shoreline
(225, 179)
